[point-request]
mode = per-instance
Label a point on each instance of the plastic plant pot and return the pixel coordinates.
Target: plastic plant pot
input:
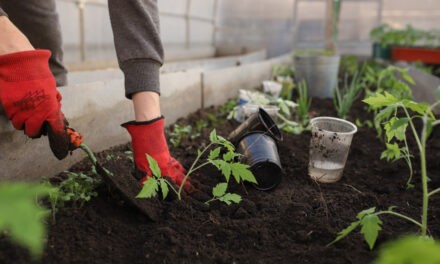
(260, 121)
(272, 88)
(260, 152)
(250, 109)
(329, 147)
(320, 72)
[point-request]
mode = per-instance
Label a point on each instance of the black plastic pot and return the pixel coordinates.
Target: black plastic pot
(260, 152)
(260, 121)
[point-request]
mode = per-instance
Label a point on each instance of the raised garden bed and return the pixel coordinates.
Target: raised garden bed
(291, 224)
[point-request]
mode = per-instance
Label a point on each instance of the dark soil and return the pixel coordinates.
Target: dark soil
(291, 224)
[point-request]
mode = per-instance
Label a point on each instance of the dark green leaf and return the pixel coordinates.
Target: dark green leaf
(371, 225)
(345, 232)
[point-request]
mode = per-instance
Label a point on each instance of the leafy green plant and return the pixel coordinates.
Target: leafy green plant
(227, 107)
(408, 36)
(77, 189)
(303, 104)
(283, 70)
(179, 133)
(387, 79)
(349, 64)
(345, 97)
(21, 217)
(390, 107)
(219, 193)
(314, 52)
(410, 250)
(225, 162)
(200, 125)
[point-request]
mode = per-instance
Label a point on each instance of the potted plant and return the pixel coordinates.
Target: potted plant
(408, 44)
(319, 69)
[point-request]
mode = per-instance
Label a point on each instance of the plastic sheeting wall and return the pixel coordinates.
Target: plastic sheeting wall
(235, 26)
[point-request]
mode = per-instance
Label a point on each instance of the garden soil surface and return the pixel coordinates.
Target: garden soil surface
(291, 224)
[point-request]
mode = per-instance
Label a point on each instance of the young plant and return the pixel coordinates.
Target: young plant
(345, 97)
(226, 163)
(78, 189)
(303, 105)
(389, 108)
(21, 217)
(219, 193)
(410, 249)
(179, 133)
(386, 80)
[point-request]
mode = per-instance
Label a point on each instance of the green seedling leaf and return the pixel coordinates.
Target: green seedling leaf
(345, 232)
(222, 166)
(220, 189)
(22, 216)
(164, 188)
(380, 100)
(396, 128)
(214, 153)
(149, 189)
(213, 136)
(241, 172)
(230, 198)
(229, 156)
(371, 225)
(411, 249)
(419, 108)
(365, 212)
(406, 77)
(392, 152)
(154, 167)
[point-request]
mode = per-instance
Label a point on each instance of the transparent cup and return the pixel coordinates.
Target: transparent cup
(329, 147)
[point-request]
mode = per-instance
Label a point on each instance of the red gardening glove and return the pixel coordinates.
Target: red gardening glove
(149, 138)
(31, 101)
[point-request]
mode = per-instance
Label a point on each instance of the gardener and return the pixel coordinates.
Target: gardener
(30, 38)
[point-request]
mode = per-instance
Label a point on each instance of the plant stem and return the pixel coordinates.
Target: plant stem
(211, 200)
(421, 146)
(401, 216)
(191, 170)
(434, 192)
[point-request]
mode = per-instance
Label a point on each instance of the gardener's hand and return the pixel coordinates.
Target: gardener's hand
(30, 99)
(149, 138)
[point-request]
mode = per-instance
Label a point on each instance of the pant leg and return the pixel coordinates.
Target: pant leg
(136, 33)
(38, 20)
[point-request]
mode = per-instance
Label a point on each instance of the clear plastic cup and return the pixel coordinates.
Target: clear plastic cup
(329, 147)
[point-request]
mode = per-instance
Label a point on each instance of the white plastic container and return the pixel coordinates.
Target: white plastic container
(272, 88)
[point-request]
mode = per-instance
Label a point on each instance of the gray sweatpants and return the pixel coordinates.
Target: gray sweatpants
(135, 25)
